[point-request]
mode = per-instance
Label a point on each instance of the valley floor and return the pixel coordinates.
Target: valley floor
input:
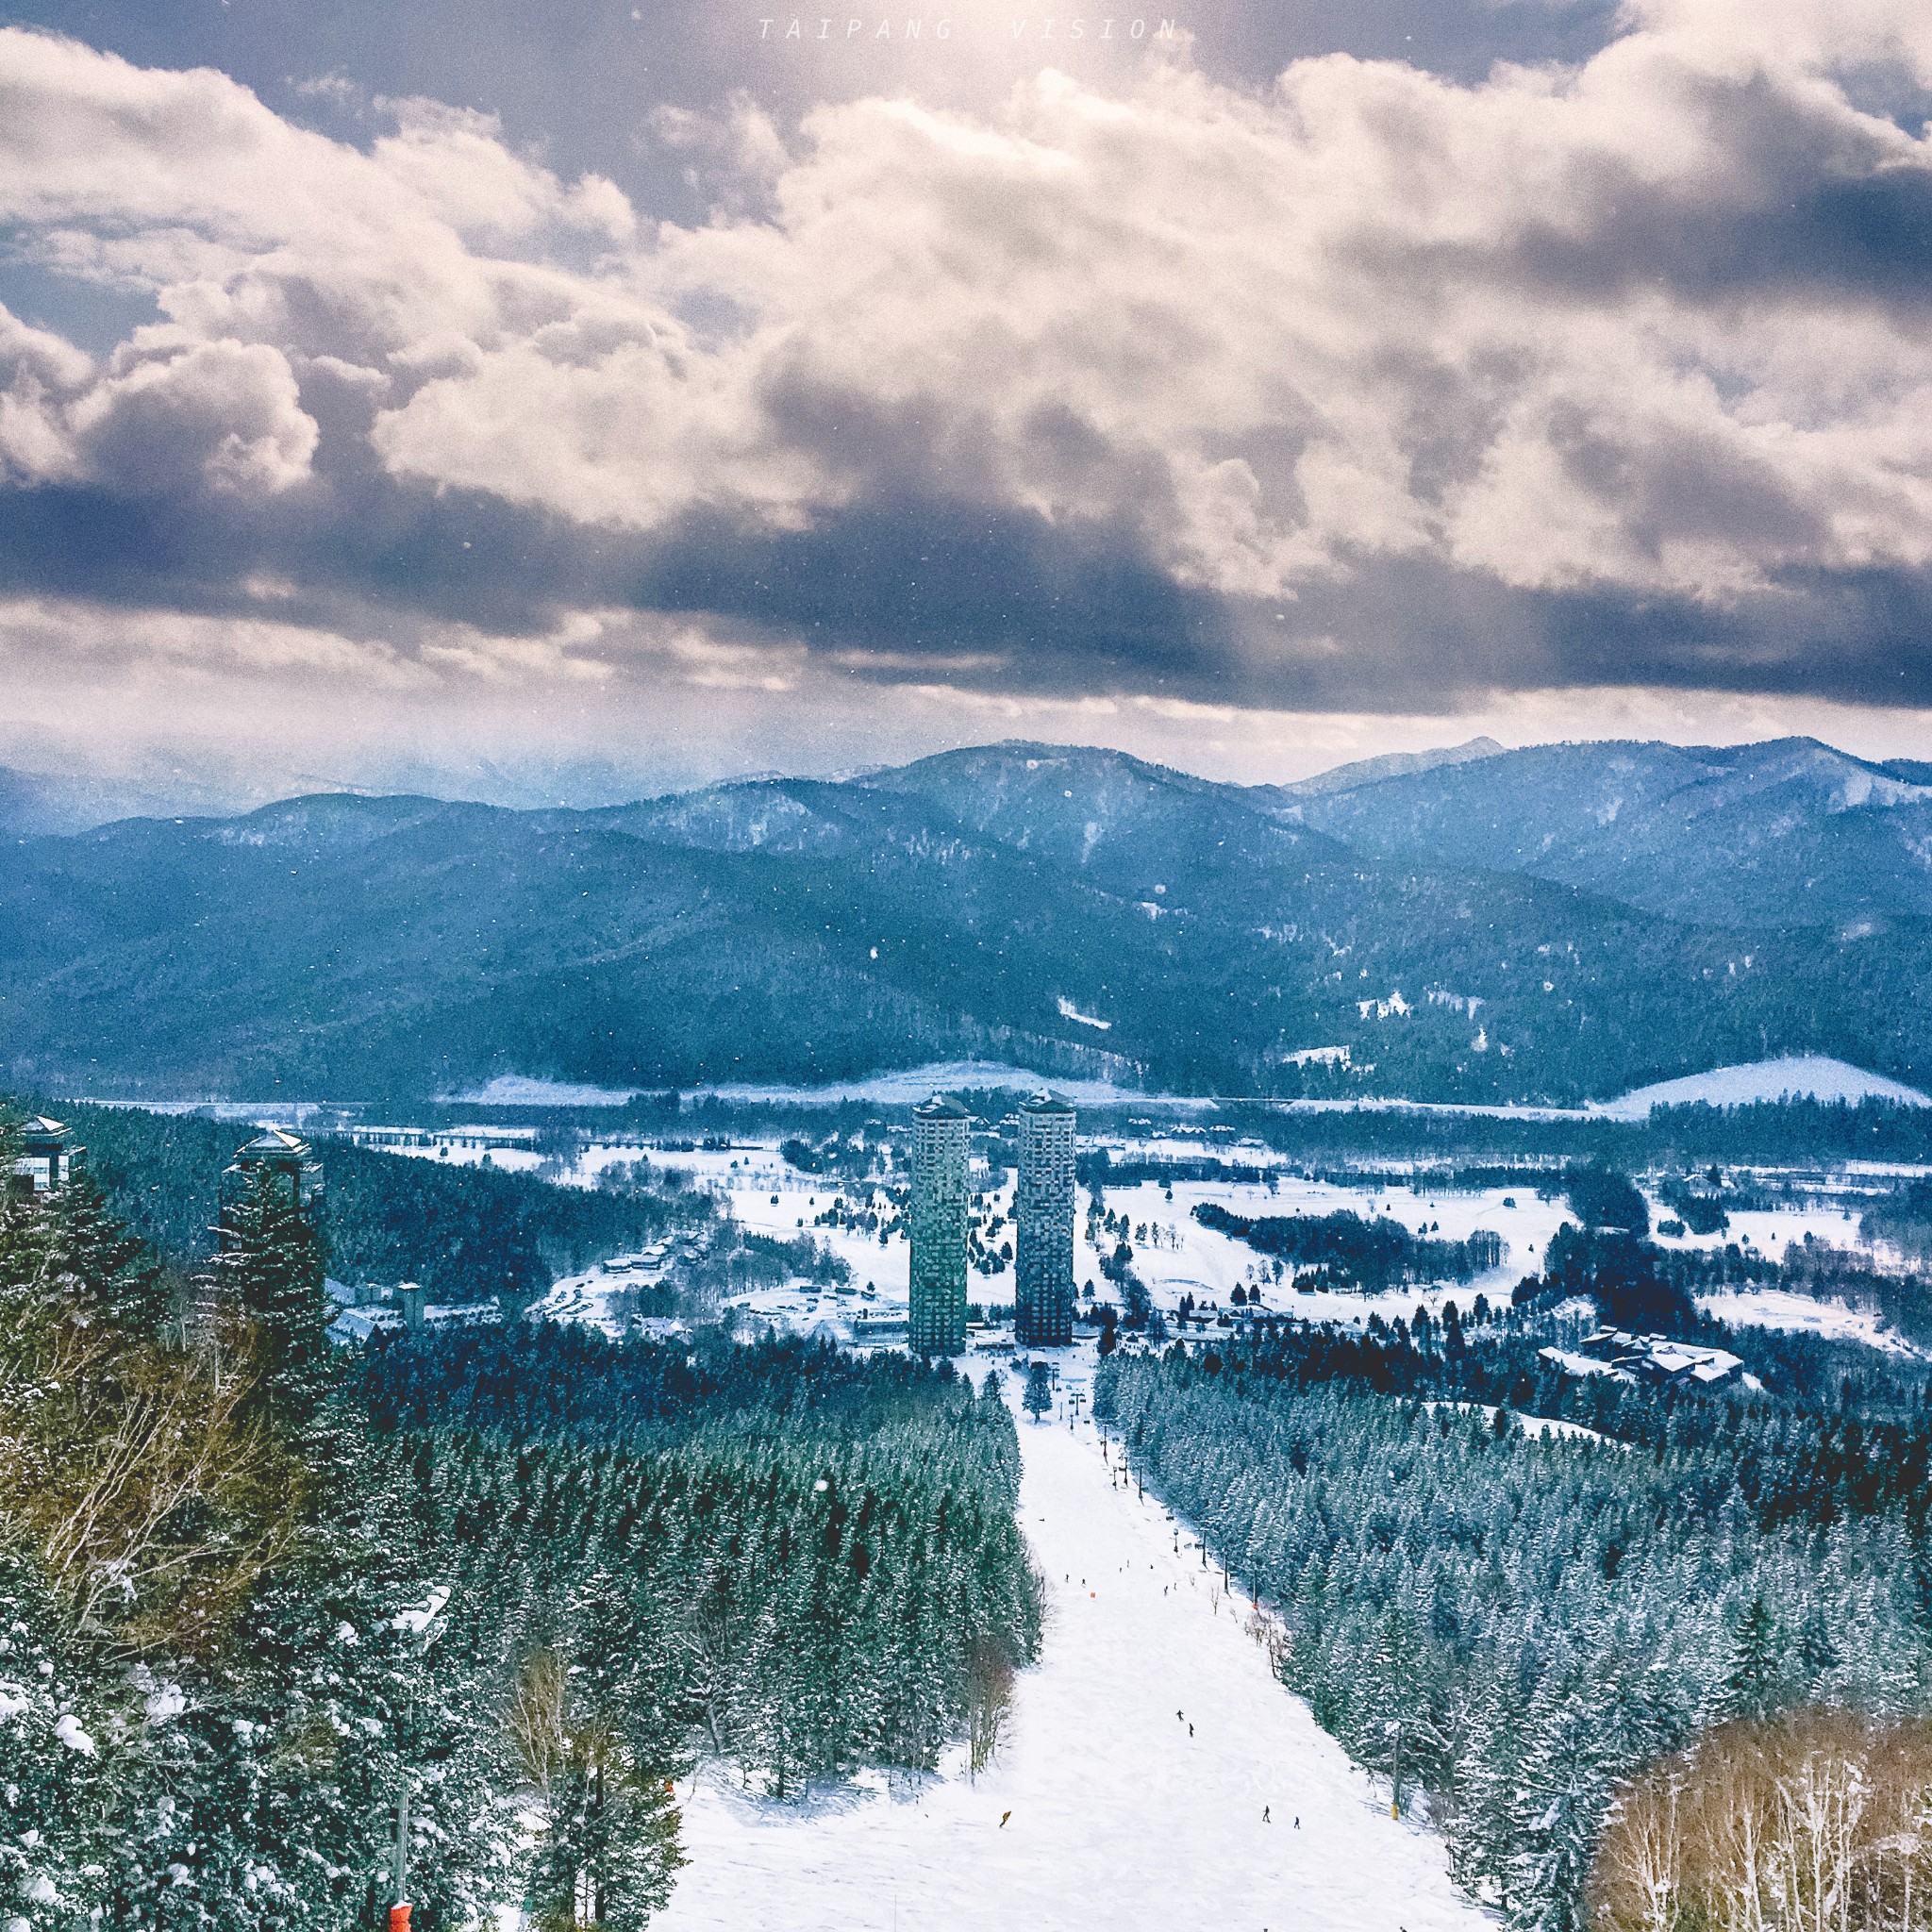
(1130, 1792)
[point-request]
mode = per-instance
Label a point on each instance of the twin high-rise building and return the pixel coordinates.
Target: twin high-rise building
(940, 1148)
(1043, 1211)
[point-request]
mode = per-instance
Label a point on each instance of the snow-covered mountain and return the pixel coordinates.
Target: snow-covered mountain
(1548, 926)
(1785, 833)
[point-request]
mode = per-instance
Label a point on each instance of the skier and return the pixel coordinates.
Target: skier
(1265, 1819)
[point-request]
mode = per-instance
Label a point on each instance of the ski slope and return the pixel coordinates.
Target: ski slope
(1116, 1816)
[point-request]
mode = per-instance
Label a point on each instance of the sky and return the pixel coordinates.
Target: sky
(562, 403)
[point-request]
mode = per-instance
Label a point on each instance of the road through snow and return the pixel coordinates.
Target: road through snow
(1141, 1754)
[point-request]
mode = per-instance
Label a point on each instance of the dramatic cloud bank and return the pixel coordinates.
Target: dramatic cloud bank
(1364, 390)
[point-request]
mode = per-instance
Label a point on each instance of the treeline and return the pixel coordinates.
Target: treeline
(1515, 1626)
(1903, 1302)
(1815, 1816)
(465, 1233)
(1099, 1171)
(1904, 1220)
(253, 1594)
(1353, 1252)
(550, 1380)
(1854, 1428)
(1637, 1284)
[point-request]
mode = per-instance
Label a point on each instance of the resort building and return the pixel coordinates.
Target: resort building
(1043, 1209)
(941, 1129)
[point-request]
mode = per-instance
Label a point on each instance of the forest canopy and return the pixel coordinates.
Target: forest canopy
(253, 1590)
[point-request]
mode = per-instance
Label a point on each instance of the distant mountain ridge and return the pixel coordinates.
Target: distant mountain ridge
(1560, 924)
(1788, 832)
(1393, 764)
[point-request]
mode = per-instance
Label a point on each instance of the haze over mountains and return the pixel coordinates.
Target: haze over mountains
(1556, 924)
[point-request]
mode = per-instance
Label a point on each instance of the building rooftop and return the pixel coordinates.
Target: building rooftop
(941, 1107)
(1044, 1102)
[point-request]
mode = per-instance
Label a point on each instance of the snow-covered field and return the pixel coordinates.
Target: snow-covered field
(1105, 1809)
(1811, 1075)
(1817, 1076)
(1781, 1308)
(1173, 1253)
(902, 1087)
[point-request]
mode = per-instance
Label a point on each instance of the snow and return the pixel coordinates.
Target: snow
(1550, 1428)
(1179, 1257)
(1795, 1075)
(70, 1733)
(1814, 1076)
(1070, 1011)
(1568, 1360)
(910, 1084)
(164, 1702)
(1188, 1258)
(1317, 1057)
(1102, 1808)
(518, 1090)
(1831, 1321)
(416, 1618)
(894, 1088)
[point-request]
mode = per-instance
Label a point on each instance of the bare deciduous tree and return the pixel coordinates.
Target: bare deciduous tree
(989, 1703)
(156, 1498)
(1820, 1820)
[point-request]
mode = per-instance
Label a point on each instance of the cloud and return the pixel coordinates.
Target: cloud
(166, 414)
(1368, 387)
(224, 414)
(193, 713)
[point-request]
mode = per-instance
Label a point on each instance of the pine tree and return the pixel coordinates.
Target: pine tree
(1754, 1676)
(115, 1274)
(599, 1723)
(269, 1271)
(1038, 1398)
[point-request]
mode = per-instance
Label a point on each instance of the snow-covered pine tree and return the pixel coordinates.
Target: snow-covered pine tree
(1037, 1397)
(270, 1272)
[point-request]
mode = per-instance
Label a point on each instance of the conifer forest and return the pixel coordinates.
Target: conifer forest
(966, 970)
(256, 1594)
(1512, 1626)
(491, 1596)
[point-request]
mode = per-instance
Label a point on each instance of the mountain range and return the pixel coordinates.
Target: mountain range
(1781, 834)
(1553, 923)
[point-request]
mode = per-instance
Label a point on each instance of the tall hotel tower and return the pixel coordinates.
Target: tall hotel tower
(1043, 1248)
(939, 1226)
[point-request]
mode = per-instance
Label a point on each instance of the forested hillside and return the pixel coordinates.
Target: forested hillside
(1781, 834)
(1515, 1626)
(1074, 909)
(250, 1595)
